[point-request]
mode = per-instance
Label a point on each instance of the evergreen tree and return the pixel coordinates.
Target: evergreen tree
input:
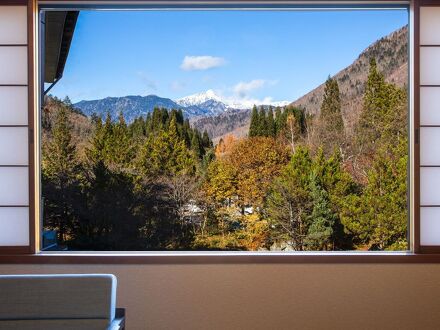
(196, 146)
(122, 147)
(262, 122)
(383, 118)
(289, 201)
(378, 216)
(321, 220)
(255, 123)
(278, 120)
(271, 126)
(206, 141)
(331, 126)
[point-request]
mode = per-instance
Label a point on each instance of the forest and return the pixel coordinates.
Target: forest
(297, 182)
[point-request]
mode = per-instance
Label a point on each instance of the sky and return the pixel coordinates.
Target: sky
(244, 55)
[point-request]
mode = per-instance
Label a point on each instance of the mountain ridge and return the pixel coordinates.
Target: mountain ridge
(391, 54)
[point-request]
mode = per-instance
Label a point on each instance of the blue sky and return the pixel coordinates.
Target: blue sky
(258, 55)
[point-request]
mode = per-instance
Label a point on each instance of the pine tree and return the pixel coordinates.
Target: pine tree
(196, 146)
(262, 122)
(321, 220)
(378, 217)
(331, 126)
(255, 123)
(278, 120)
(121, 148)
(383, 118)
(271, 127)
(206, 141)
(289, 201)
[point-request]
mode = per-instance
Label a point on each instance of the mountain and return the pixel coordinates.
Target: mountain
(391, 54)
(210, 102)
(202, 104)
(131, 106)
(198, 105)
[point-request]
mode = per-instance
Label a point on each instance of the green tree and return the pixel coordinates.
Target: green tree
(331, 124)
(383, 118)
(378, 217)
(288, 203)
(321, 220)
(60, 176)
(255, 123)
(262, 122)
(271, 126)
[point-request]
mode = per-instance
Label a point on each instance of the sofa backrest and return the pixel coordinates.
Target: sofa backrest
(58, 298)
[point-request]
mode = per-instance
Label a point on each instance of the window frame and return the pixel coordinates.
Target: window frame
(32, 254)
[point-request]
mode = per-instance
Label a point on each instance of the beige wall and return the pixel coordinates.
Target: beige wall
(297, 296)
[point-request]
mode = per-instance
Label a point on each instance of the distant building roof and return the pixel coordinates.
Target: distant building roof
(59, 29)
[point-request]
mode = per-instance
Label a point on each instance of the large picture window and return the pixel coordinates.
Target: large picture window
(225, 130)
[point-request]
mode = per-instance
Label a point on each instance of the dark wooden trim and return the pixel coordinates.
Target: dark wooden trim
(13, 85)
(14, 205)
(32, 126)
(13, 45)
(1, 126)
(428, 126)
(435, 166)
(288, 258)
(430, 205)
(15, 250)
(430, 249)
(429, 3)
(428, 46)
(416, 121)
(427, 85)
(13, 3)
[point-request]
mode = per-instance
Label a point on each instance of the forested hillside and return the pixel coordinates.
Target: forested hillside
(299, 181)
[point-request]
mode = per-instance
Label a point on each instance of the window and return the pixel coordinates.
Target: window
(226, 130)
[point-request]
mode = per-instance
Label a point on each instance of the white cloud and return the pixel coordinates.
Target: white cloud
(191, 63)
(243, 88)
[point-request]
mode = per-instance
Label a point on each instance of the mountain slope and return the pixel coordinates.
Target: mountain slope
(391, 54)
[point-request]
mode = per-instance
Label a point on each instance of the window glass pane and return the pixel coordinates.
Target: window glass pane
(226, 130)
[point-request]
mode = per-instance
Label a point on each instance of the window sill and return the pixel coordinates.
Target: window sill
(220, 258)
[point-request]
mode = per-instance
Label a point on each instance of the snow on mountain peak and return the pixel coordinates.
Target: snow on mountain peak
(199, 98)
(224, 103)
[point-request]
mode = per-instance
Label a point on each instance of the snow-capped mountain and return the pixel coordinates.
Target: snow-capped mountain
(216, 104)
(209, 101)
(199, 98)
